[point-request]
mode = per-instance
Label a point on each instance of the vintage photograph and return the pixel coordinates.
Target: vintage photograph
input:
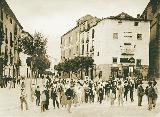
(79, 58)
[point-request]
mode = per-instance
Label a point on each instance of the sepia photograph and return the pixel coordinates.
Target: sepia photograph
(79, 58)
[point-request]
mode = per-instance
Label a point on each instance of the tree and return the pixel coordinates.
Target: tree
(59, 68)
(74, 65)
(35, 47)
(42, 63)
(87, 62)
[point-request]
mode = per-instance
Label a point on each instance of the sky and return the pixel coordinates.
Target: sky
(53, 18)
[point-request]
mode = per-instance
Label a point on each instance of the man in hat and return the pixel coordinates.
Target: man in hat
(120, 90)
(43, 101)
(140, 93)
(152, 95)
(156, 93)
(54, 97)
(23, 99)
(37, 94)
(69, 94)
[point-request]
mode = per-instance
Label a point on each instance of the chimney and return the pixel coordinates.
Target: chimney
(138, 16)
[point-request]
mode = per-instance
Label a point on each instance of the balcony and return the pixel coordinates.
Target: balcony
(129, 52)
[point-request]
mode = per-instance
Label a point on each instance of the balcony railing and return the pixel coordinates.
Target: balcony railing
(127, 52)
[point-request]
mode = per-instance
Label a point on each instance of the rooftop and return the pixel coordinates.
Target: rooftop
(125, 16)
(5, 6)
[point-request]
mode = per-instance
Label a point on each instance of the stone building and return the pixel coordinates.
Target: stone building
(71, 41)
(152, 12)
(121, 46)
(10, 29)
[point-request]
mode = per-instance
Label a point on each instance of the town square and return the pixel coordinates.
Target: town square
(79, 58)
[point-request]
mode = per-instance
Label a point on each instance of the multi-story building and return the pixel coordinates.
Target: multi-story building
(71, 41)
(151, 12)
(119, 45)
(10, 34)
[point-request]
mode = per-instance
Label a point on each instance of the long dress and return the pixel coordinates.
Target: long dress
(63, 99)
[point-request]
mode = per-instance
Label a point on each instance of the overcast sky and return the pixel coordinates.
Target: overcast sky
(55, 17)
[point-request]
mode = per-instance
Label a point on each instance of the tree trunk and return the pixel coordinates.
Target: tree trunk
(81, 73)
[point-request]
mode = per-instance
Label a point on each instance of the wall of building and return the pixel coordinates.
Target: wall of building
(106, 47)
(70, 44)
(151, 12)
(12, 32)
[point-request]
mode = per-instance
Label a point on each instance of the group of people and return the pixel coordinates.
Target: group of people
(68, 92)
(6, 81)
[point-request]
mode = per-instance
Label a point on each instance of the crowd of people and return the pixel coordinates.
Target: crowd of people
(8, 81)
(67, 92)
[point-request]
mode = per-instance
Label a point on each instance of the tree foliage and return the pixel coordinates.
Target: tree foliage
(74, 65)
(35, 47)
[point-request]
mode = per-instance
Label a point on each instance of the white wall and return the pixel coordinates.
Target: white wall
(109, 47)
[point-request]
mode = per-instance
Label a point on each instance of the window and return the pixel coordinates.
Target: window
(1, 14)
(69, 40)
(6, 32)
(87, 47)
(114, 60)
(123, 60)
(61, 41)
(10, 20)
(82, 40)
(70, 52)
(11, 41)
(136, 23)
(115, 35)
(1, 33)
(128, 36)
(11, 60)
(7, 16)
(139, 36)
(93, 33)
(97, 53)
(100, 74)
(77, 48)
(82, 49)
(127, 43)
(138, 63)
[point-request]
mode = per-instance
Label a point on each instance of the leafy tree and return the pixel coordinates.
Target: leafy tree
(59, 68)
(74, 65)
(42, 63)
(35, 47)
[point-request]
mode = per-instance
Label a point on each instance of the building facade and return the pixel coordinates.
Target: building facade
(76, 42)
(72, 41)
(119, 44)
(10, 34)
(152, 12)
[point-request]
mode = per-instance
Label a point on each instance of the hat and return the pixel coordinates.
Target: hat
(140, 82)
(154, 82)
(149, 82)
